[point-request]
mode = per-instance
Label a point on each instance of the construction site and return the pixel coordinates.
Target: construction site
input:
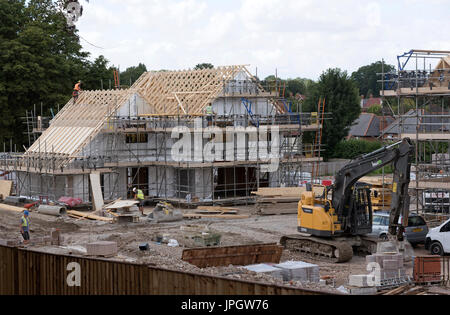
(232, 175)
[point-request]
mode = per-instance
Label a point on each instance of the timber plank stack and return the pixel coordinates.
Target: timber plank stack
(81, 215)
(381, 192)
(283, 200)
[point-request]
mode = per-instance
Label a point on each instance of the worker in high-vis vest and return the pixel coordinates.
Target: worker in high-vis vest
(209, 114)
(139, 196)
(25, 227)
(77, 90)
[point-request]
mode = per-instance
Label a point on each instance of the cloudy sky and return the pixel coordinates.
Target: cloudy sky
(299, 38)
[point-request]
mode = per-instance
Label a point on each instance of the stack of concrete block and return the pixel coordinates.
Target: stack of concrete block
(392, 265)
(387, 266)
(266, 269)
(299, 271)
(106, 249)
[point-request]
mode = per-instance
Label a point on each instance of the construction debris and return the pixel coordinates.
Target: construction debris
(165, 212)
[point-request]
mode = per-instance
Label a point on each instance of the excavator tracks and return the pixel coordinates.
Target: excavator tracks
(336, 251)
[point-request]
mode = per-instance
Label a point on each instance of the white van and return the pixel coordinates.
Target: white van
(438, 240)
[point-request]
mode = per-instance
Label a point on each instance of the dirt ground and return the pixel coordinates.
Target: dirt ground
(254, 230)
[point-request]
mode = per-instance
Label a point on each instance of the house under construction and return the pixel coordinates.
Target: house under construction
(132, 138)
(423, 80)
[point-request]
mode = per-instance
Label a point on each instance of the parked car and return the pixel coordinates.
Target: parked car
(416, 231)
(438, 240)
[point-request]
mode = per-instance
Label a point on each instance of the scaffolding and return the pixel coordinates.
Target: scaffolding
(418, 95)
(136, 151)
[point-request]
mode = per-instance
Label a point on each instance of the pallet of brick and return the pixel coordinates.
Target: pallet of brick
(266, 269)
(105, 249)
(299, 271)
(391, 265)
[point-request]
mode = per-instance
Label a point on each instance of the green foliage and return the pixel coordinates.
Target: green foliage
(350, 149)
(202, 66)
(342, 102)
(375, 109)
(40, 61)
(129, 76)
(98, 75)
(366, 78)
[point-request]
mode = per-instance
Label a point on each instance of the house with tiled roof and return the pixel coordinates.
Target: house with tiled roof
(130, 138)
(369, 127)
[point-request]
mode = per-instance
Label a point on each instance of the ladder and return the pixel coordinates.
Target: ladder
(116, 79)
(318, 139)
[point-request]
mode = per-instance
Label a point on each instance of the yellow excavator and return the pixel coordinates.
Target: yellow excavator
(335, 227)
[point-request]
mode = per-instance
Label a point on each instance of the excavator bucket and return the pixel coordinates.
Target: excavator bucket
(394, 246)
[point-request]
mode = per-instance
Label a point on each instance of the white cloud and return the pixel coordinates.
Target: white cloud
(299, 37)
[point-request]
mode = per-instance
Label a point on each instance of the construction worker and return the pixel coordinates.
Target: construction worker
(139, 195)
(25, 227)
(209, 114)
(76, 91)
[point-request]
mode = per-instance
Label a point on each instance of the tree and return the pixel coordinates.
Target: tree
(342, 102)
(350, 149)
(366, 78)
(375, 109)
(40, 58)
(202, 66)
(98, 75)
(129, 76)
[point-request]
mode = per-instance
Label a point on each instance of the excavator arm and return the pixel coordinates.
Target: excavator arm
(398, 154)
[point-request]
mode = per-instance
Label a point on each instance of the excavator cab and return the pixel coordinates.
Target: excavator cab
(361, 207)
(317, 217)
